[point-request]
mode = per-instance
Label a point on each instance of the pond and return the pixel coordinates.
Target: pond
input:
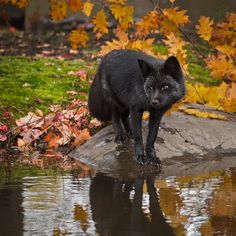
(81, 204)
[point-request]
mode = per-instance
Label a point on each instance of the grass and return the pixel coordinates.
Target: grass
(28, 83)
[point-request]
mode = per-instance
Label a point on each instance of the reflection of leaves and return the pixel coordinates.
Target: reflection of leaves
(81, 215)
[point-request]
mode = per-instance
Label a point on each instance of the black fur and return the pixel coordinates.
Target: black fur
(128, 83)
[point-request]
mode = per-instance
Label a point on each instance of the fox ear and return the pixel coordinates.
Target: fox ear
(145, 67)
(172, 67)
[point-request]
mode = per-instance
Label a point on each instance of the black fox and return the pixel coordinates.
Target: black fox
(126, 84)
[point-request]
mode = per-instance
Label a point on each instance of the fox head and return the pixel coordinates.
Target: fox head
(163, 83)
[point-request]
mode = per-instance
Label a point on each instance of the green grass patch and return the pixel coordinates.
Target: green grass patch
(28, 83)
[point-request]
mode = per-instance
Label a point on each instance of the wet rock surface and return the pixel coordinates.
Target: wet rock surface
(186, 145)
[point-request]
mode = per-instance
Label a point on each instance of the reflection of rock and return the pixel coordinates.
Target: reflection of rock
(186, 145)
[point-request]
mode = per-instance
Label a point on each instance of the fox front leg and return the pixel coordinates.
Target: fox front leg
(136, 129)
(154, 123)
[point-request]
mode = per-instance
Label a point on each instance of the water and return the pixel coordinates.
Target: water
(102, 205)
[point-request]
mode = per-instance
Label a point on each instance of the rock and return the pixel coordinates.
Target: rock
(186, 145)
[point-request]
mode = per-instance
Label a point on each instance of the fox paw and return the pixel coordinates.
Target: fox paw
(121, 138)
(154, 161)
(142, 160)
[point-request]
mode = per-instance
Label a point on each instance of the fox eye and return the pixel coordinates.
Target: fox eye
(164, 87)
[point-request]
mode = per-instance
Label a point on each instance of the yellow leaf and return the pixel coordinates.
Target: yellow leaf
(141, 45)
(110, 45)
(202, 114)
(123, 14)
(87, 8)
(58, 10)
(75, 5)
(39, 112)
(78, 38)
(100, 24)
(177, 16)
(204, 27)
(172, 1)
(121, 2)
(176, 47)
(18, 3)
(145, 116)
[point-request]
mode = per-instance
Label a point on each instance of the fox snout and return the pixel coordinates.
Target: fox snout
(155, 98)
(155, 102)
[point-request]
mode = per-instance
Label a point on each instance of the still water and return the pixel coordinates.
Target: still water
(102, 205)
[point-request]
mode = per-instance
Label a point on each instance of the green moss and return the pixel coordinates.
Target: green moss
(27, 83)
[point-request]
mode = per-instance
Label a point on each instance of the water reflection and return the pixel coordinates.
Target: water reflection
(102, 205)
(122, 208)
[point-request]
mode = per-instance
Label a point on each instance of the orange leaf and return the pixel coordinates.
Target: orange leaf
(82, 137)
(52, 139)
(75, 5)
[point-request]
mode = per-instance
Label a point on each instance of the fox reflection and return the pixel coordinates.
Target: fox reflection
(116, 214)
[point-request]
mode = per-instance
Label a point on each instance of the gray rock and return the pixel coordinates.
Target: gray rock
(186, 145)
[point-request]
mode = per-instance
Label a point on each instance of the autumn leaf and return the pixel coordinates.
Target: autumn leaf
(176, 16)
(141, 45)
(123, 14)
(221, 67)
(121, 34)
(120, 2)
(148, 24)
(52, 140)
(82, 137)
(110, 45)
(204, 114)
(75, 5)
(176, 47)
(58, 10)
(100, 24)
(19, 3)
(87, 8)
(204, 27)
(227, 49)
(78, 38)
